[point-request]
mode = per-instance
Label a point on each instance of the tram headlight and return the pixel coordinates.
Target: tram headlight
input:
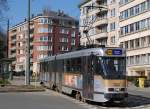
(123, 89)
(116, 89)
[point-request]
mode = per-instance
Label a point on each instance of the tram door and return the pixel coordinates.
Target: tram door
(88, 77)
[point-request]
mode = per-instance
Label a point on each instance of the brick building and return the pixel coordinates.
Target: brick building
(50, 33)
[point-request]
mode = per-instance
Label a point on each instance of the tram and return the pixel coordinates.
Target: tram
(96, 74)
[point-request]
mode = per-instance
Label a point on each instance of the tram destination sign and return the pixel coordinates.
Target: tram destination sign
(114, 52)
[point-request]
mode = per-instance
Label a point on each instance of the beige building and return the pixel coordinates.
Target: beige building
(135, 35)
(99, 25)
(123, 23)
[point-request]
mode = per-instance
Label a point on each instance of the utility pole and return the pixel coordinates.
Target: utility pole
(7, 37)
(27, 70)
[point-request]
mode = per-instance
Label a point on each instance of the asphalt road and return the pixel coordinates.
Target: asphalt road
(38, 100)
(54, 100)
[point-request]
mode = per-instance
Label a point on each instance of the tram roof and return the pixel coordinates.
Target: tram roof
(75, 54)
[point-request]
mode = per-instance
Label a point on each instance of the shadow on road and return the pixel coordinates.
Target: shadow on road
(131, 101)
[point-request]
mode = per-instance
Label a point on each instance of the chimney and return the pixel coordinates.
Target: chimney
(59, 12)
(32, 15)
(62, 13)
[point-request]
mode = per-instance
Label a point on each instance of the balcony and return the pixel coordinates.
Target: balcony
(13, 55)
(100, 35)
(13, 41)
(101, 2)
(13, 48)
(100, 21)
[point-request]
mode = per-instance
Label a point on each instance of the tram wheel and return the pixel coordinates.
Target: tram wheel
(83, 99)
(78, 96)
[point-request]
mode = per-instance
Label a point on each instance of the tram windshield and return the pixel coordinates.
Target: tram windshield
(113, 66)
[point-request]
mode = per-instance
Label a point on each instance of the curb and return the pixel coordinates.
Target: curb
(7, 90)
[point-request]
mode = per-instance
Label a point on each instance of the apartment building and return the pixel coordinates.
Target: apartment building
(99, 22)
(135, 35)
(51, 33)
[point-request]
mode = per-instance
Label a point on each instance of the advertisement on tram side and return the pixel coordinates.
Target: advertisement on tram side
(73, 80)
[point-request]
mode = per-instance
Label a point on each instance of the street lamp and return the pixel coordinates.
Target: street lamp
(27, 69)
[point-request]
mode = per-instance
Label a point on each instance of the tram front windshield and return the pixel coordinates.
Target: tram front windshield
(113, 66)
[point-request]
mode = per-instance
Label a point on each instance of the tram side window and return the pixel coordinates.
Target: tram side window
(60, 65)
(53, 66)
(66, 65)
(46, 66)
(49, 66)
(98, 66)
(41, 67)
(72, 65)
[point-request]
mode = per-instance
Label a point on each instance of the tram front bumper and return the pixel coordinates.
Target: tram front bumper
(115, 96)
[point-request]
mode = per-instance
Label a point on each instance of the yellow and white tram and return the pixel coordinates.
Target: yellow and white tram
(97, 74)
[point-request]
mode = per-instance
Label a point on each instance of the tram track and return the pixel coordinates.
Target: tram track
(132, 102)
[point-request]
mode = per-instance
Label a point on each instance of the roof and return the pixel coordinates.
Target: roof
(83, 2)
(85, 52)
(48, 13)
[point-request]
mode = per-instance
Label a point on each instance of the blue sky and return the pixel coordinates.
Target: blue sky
(18, 8)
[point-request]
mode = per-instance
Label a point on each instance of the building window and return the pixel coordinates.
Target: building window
(132, 44)
(124, 2)
(112, 1)
(137, 59)
(143, 6)
(143, 24)
(43, 38)
(73, 34)
(112, 40)
(137, 43)
(126, 45)
(44, 30)
(132, 27)
(112, 26)
(126, 14)
(135, 10)
(63, 39)
(143, 41)
(121, 31)
(73, 41)
(42, 48)
(126, 29)
(149, 58)
(137, 26)
(113, 12)
(131, 11)
(45, 21)
(148, 40)
(143, 59)
(131, 60)
(41, 56)
(148, 4)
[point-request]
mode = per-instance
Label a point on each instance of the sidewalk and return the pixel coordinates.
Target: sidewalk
(133, 90)
(18, 80)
